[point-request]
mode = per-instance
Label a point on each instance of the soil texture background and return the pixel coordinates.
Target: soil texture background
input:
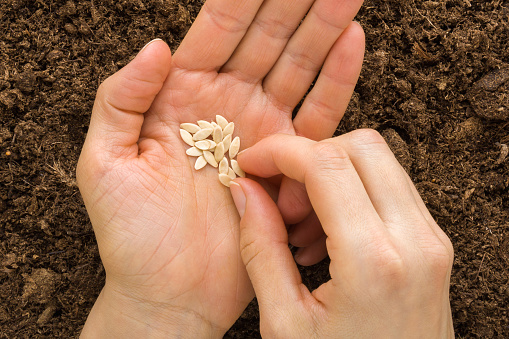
(435, 83)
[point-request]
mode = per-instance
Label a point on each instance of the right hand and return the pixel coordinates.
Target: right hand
(390, 262)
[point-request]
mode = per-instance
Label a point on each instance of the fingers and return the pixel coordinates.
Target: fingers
(434, 226)
(122, 99)
(216, 32)
(334, 187)
(325, 105)
(309, 236)
(312, 254)
(306, 232)
(264, 247)
(266, 38)
(385, 182)
(293, 201)
(307, 50)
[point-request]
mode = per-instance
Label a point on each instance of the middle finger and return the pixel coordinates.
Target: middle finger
(266, 38)
(305, 53)
(334, 186)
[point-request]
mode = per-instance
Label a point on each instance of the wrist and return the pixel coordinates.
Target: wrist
(115, 315)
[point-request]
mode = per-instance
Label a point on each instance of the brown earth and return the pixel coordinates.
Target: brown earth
(435, 83)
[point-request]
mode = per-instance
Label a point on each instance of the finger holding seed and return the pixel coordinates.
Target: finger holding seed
(225, 179)
(236, 168)
(231, 173)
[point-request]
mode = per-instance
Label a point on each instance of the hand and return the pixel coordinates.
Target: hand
(167, 234)
(390, 262)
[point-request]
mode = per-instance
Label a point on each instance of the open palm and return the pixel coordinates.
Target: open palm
(168, 235)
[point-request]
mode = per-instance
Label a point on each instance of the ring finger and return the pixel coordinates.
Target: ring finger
(308, 48)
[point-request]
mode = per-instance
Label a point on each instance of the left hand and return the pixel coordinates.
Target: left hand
(167, 234)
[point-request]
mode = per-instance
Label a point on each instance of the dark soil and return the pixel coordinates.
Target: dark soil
(435, 83)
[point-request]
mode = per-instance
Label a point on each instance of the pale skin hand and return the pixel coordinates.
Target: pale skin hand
(168, 235)
(390, 262)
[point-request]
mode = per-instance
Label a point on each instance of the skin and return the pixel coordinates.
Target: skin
(168, 235)
(390, 263)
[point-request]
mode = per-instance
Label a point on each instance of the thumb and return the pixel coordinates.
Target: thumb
(264, 249)
(122, 99)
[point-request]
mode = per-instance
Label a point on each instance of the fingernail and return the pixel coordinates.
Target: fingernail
(297, 255)
(242, 151)
(239, 198)
(148, 44)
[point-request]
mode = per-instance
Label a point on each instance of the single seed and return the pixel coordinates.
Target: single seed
(187, 137)
(212, 145)
(200, 163)
(217, 135)
(205, 145)
(231, 173)
(234, 147)
(202, 134)
(227, 141)
(194, 152)
(205, 124)
(191, 128)
(223, 166)
(236, 168)
(221, 121)
(229, 128)
(210, 158)
(219, 151)
(225, 179)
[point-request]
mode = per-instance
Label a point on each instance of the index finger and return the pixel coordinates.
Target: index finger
(334, 186)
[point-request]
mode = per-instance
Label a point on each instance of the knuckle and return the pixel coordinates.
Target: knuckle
(224, 20)
(80, 171)
(92, 165)
(303, 60)
(368, 143)
(390, 266)
(447, 243)
(275, 28)
(329, 155)
(367, 137)
(438, 258)
(103, 88)
(387, 264)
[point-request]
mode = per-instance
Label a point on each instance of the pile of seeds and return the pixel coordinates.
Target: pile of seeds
(213, 151)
